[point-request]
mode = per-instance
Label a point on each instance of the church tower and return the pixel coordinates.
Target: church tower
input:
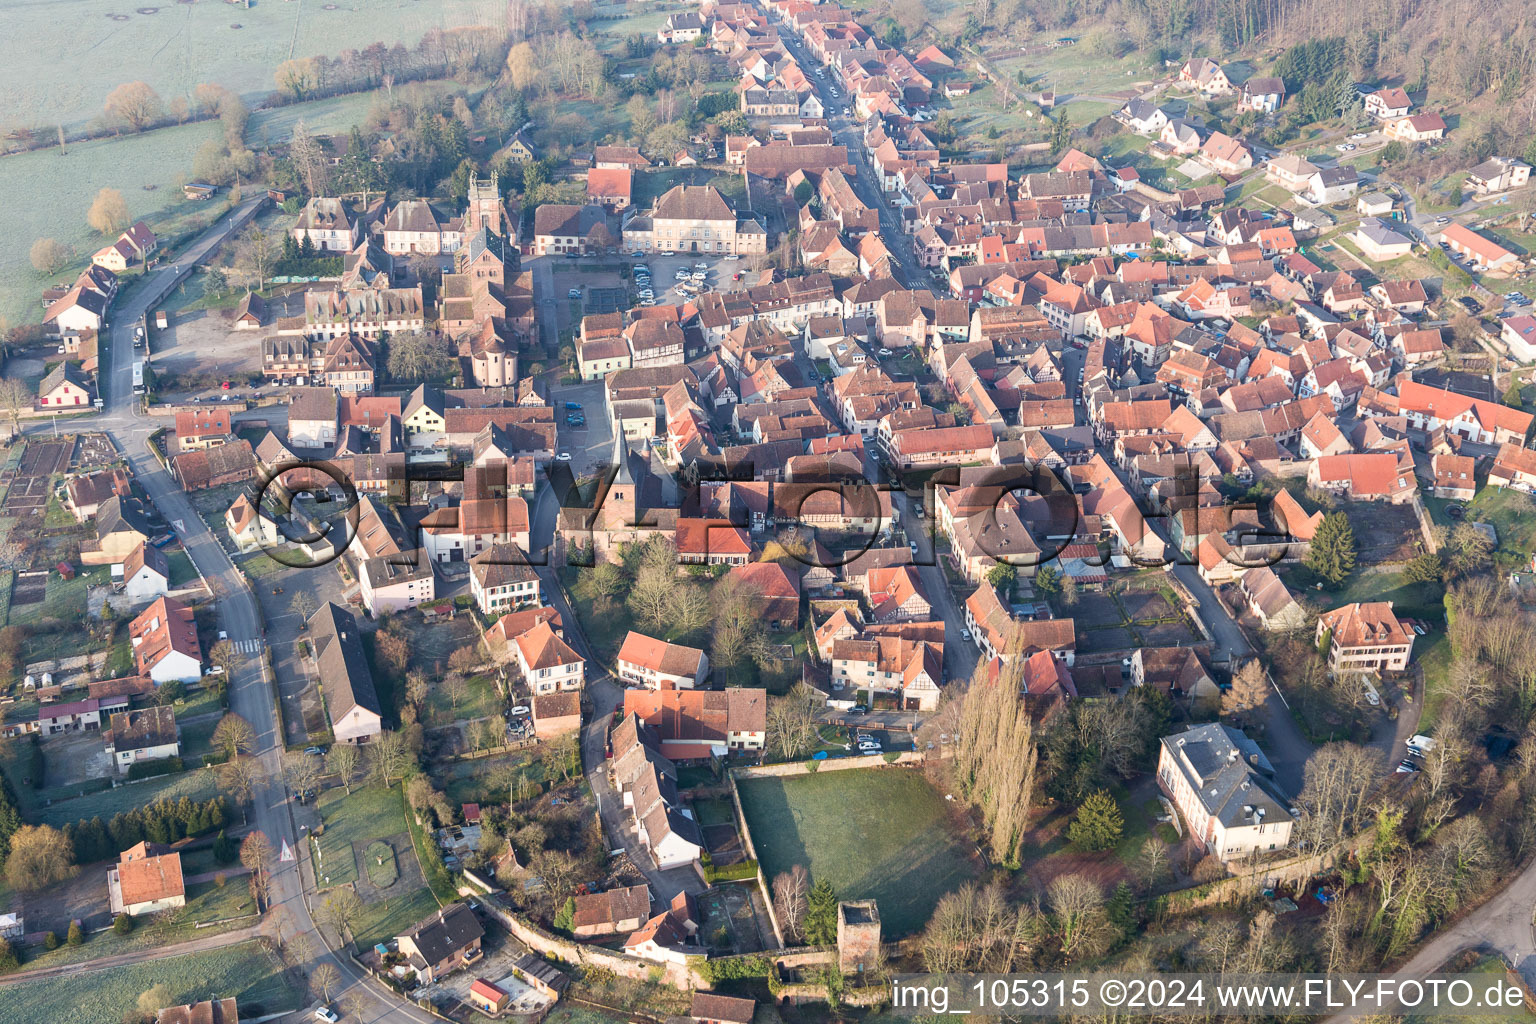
(484, 207)
(621, 506)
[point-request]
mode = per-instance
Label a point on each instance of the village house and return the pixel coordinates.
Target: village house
(1365, 637)
(164, 639)
(148, 734)
(83, 495)
(209, 1011)
(146, 880)
(1388, 104)
(501, 580)
(330, 225)
(145, 573)
(64, 388)
(395, 582)
(658, 665)
(346, 682)
(695, 725)
(1205, 75)
(1270, 601)
(1262, 95)
(1415, 128)
(1454, 476)
(611, 912)
(443, 943)
(547, 662)
(1498, 174)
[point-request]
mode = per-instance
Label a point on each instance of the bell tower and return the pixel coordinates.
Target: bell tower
(621, 506)
(483, 207)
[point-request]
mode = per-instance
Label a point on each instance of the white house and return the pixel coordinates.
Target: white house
(146, 880)
(165, 646)
(548, 663)
(146, 574)
(658, 665)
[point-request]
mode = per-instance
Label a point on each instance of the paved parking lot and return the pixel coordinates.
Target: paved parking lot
(593, 443)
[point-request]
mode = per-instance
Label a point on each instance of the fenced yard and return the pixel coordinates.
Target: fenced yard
(881, 833)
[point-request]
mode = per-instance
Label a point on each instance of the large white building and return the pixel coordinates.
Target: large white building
(1216, 777)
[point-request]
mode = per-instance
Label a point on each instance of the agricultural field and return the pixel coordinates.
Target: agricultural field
(51, 193)
(55, 76)
(881, 833)
(245, 971)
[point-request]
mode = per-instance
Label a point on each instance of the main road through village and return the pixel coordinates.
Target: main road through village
(252, 692)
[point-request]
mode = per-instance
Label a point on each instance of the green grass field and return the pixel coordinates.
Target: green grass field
(870, 833)
(481, 698)
(55, 76)
(244, 971)
(197, 785)
(368, 814)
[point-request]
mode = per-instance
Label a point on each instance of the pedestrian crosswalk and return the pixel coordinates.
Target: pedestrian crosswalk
(248, 646)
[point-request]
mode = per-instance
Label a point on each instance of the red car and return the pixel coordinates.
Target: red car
(225, 385)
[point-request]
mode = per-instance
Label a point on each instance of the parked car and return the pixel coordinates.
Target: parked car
(326, 1014)
(574, 293)
(563, 457)
(1407, 767)
(573, 405)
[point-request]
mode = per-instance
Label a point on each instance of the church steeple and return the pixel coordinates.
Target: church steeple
(623, 498)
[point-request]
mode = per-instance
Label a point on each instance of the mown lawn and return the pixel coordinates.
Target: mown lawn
(245, 971)
(368, 814)
(878, 833)
(388, 918)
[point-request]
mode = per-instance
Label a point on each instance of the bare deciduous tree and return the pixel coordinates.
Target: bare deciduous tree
(255, 253)
(342, 760)
(1249, 690)
(233, 736)
(1076, 903)
(256, 855)
(301, 771)
(995, 758)
(108, 213)
(48, 255)
(324, 981)
(790, 889)
(391, 757)
(135, 104)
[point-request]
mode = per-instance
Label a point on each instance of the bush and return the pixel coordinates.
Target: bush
(51, 941)
(75, 936)
(151, 769)
(731, 872)
(8, 959)
(319, 266)
(735, 968)
(123, 924)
